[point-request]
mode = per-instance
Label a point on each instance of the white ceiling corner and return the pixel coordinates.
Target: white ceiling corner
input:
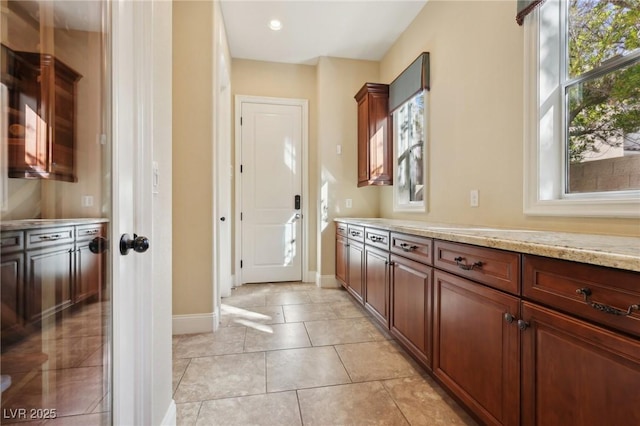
(357, 29)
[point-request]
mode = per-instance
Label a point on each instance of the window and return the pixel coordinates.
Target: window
(409, 137)
(583, 109)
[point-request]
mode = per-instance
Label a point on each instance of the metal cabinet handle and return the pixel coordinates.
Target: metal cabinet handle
(586, 294)
(523, 325)
(355, 233)
(509, 318)
(466, 267)
(407, 248)
(50, 237)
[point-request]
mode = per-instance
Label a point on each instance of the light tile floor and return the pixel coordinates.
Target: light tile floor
(294, 354)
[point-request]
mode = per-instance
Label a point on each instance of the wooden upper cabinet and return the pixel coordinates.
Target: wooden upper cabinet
(42, 115)
(375, 153)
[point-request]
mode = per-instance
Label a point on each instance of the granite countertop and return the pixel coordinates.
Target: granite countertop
(22, 224)
(603, 250)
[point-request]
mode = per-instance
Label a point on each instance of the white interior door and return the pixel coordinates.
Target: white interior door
(271, 179)
(223, 182)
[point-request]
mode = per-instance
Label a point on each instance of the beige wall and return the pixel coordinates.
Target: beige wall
(257, 78)
(192, 157)
(476, 118)
(338, 81)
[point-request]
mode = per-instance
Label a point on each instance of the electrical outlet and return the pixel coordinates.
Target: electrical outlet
(87, 200)
(339, 149)
(348, 203)
(474, 198)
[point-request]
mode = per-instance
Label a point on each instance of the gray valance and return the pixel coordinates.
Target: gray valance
(411, 81)
(525, 7)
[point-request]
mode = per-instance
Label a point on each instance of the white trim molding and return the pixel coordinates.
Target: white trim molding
(170, 418)
(327, 281)
(195, 323)
(544, 156)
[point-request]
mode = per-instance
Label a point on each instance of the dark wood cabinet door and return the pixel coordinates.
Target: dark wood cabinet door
(342, 248)
(410, 316)
(575, 373)
(49, 275)
(89, 273)
(376, 266)
(355, 271)
(12, 274)
(476, 352)
(375, 154)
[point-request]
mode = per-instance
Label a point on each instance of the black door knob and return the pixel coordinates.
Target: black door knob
(139, 244)
(98, 245)
(223, 218)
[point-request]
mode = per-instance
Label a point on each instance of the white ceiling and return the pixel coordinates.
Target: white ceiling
(361, 29)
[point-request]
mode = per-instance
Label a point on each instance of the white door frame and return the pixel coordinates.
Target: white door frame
(304, 104)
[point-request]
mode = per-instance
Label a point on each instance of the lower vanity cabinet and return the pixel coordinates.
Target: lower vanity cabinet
(410, 316)
(355, 272)
(476, 347)
(376, 267)
(342, 258)
(576, 373)
(12, 279)
(89, 264)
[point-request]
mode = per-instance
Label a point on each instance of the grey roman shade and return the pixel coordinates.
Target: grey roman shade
(525, 7)
(411, 81)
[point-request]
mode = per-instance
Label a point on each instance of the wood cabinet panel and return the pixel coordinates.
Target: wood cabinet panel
(12, 279)
(89, 273)
(476, 353)
(48, 282)
(575, 373)
(356, 270)
(377, 238)
(375, 154)
(410, 318)
(377, 284)
(342, 253)
(600, 294)
(412, 247)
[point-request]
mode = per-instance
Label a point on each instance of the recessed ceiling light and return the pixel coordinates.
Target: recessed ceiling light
(275, 25)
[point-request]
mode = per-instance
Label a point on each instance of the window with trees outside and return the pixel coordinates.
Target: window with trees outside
(583, 138)
(409, 136)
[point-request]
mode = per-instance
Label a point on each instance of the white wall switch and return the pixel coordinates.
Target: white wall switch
(348, 203)
(474, 198)
(338, 149)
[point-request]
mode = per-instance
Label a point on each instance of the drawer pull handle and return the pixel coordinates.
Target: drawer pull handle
(375, 238)
(92, 232)
(355, 233)
(407, 248)
(50, 237)
(586, 293)
(466, 267)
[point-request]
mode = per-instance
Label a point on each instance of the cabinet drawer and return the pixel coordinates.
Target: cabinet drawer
(88, 232)
(341, 229)
(377, 238)
(356, 233)
(608, 296)
(12, 241)
(416, 248)
(47, 237)
(495, 268)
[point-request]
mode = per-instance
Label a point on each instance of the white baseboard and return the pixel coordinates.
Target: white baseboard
(327, 281)
(195, 323)
(310, 277)
(170, 416)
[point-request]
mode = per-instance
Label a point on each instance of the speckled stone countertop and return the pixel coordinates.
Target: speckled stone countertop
(603, 250)
(24, 224)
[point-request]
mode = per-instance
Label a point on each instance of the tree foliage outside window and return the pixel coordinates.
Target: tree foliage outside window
(602, 82)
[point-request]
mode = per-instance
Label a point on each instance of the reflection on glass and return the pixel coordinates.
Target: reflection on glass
(55, 215)
(409, 135)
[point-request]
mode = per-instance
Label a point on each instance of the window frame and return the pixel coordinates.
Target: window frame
(415, 206)
(545, 128)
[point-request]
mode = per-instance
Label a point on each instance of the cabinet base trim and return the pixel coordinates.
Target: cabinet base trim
(195, 323)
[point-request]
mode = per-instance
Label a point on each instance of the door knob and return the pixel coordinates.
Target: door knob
(139, 244)
(98, 245)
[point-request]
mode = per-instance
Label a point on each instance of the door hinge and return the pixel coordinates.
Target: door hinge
(241, 263)
(241, 121)
(240, 168)
(240, 215)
